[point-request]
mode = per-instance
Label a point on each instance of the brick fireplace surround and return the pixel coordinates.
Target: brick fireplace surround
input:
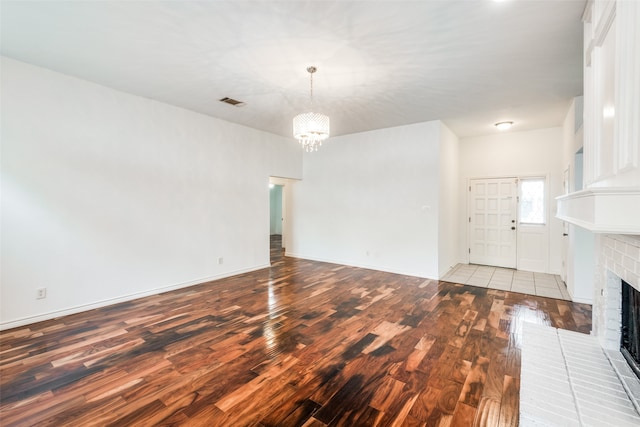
(618, 257)
(572, 379)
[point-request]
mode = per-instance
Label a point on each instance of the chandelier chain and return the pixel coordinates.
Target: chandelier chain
(311, 70)
(310, 129)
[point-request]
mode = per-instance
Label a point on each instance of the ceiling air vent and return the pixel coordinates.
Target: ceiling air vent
(232, 101)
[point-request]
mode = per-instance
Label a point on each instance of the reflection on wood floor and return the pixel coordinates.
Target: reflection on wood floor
(277, 251)
(300, 343)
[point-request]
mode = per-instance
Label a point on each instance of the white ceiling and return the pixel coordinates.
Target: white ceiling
(380, 63)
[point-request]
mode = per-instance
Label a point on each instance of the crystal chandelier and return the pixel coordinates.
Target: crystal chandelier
(310, 129)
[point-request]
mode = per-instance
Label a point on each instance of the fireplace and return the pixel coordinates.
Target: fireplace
(630, 327)
(617, 284)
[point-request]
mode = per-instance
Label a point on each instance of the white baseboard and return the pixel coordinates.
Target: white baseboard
(86, 307)
(360, 265)
(582, 300)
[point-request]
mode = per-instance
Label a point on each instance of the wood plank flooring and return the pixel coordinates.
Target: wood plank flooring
(302, 343)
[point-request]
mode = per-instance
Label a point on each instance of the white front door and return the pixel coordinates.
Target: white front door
(492, 221)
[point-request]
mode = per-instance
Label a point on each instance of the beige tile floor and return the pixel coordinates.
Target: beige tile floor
(506, 279)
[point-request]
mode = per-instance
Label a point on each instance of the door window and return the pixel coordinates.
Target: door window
(532, 209)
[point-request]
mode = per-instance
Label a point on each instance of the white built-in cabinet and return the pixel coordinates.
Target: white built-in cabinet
(612, 93)
(610, 200)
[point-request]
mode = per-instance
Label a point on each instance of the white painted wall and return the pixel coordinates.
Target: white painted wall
(580, 243)
(448, 227)
(568, 161)
(572, 140)
(371, 199)
(534, 153)
(107, 196)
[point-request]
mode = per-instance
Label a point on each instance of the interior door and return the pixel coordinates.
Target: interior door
(565, 230)
(492, 221)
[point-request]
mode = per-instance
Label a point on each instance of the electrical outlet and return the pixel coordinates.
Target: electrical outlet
(220, 260)
(41, 293)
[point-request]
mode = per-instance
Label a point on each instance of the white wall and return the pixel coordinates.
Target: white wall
(449, 230)
(537, 152)
(568, 162)
(107, 196)
(580, 243)
(371, 199)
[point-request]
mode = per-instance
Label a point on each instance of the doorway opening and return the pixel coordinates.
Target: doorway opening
(508, 222)
(275, 222)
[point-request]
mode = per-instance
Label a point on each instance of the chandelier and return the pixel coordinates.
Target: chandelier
(310, 129)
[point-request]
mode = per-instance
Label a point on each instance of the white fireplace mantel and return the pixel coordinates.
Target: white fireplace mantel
(602, 210)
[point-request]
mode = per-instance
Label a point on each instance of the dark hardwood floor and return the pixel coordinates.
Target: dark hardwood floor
(276, 249)
(300, 343)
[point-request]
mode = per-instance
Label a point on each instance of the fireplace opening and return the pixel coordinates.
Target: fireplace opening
(630, 331)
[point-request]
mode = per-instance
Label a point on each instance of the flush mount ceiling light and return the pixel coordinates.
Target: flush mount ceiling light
(310, 129)
(504, 125)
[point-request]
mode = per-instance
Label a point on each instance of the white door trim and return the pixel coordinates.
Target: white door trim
(524, 232)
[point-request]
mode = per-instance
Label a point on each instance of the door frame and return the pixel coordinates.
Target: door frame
(286, 184)
(518, 237)
(544, 230)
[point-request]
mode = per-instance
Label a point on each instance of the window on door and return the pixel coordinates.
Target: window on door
(531, 206)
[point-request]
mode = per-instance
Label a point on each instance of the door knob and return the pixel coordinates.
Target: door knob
(513, 228)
